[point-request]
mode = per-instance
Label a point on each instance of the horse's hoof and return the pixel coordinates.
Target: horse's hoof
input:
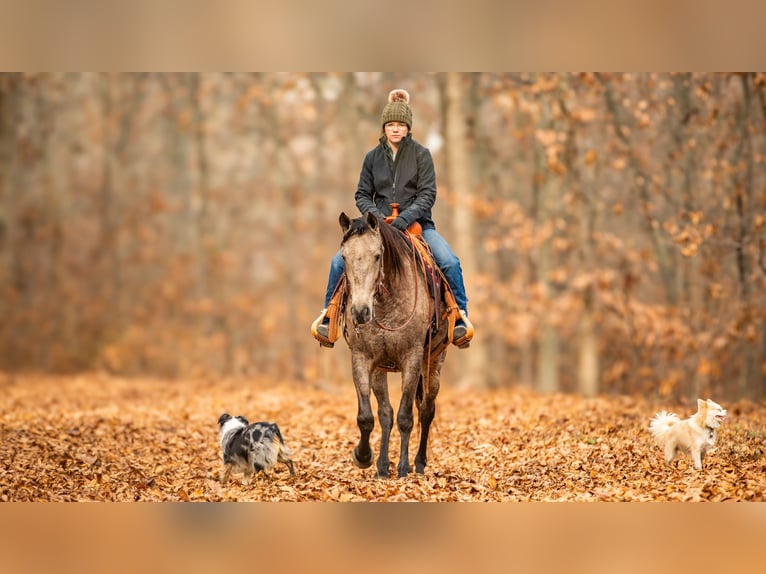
(382, 470)
(362, 463)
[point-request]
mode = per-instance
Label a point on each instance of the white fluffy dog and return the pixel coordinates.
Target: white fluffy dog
(694, 436)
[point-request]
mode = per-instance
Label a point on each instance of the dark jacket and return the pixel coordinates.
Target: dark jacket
(409, 180)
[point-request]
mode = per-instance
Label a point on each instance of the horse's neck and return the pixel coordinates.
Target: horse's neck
(399, 290)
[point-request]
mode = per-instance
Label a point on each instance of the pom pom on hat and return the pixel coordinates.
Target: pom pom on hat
(397, 109)
(399, 95)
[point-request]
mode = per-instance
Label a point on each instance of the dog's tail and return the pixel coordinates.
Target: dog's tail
(284, 454)
(661, 423)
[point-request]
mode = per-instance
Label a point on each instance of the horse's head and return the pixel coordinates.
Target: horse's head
(362, 251)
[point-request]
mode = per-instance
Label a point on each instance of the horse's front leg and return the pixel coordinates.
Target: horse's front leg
(386, 418)
(404, 418)
(364, 418)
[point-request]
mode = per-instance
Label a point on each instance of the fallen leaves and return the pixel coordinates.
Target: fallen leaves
(109, 439)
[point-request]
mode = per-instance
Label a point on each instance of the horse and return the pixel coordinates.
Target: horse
(388, 328)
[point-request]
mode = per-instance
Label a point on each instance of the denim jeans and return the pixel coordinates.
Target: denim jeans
(445, 259)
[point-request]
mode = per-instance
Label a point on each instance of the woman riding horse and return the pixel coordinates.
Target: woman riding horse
(400, 171)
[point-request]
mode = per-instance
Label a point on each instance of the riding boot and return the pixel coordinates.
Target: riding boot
(320, 329)
(463, 331)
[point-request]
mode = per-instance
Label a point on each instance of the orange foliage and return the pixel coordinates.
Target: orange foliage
(101, 438)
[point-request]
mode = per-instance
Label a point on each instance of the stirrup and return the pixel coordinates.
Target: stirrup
(464, 341)
(323, 341)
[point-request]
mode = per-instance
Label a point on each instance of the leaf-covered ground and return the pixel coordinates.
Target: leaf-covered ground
(109, 439)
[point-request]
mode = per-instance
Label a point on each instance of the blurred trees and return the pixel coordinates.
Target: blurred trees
(611, 226)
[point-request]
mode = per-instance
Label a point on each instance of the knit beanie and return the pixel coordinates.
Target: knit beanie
(397, 109)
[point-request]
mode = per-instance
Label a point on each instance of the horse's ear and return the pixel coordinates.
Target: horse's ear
(344, 221)
(372, 221)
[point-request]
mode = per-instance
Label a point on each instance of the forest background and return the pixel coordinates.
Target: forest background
(610, 226)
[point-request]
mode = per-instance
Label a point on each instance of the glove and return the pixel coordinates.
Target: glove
(400, 224)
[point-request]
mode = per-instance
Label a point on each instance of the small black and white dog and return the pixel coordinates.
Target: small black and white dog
(251, 447)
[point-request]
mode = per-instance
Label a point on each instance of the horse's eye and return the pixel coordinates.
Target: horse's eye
(377, 257)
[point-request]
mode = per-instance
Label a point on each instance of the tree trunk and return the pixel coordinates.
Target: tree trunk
(587, 352)
(548, 355)
(588, 355)
(200, 194)
(10, 100)
(743, 188)
(458, 175)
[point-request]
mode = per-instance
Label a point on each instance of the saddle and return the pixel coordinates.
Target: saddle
(444, 309)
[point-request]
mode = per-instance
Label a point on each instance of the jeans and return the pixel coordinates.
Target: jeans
(445, 259)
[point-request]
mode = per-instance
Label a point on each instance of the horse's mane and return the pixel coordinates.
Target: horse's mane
(396, 248)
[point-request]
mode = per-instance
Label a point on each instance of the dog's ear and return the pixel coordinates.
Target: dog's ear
(701, 403)
(223, 418)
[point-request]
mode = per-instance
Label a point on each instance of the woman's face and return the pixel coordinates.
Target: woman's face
(396, 132)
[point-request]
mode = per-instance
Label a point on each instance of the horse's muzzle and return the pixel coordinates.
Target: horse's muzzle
(361, 314)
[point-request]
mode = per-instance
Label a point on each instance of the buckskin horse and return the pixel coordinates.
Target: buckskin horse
(392, 323)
